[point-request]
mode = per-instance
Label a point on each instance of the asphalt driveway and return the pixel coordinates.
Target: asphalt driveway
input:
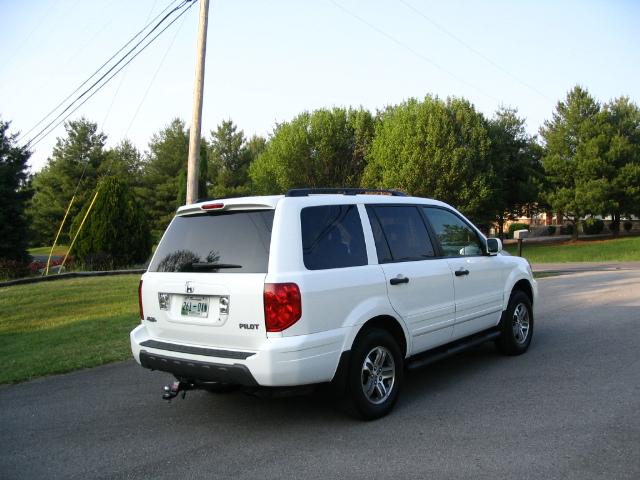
(569, 408)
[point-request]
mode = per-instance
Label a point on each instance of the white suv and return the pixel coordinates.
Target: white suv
(346, 286)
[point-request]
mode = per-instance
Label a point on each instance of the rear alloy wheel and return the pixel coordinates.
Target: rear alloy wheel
(375, 374)
(378, 375)
(516, 326)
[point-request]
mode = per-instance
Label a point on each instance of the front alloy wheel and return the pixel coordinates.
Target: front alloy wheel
(516, 326)
(520, 323)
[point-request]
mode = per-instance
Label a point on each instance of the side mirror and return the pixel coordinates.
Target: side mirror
(494, 246)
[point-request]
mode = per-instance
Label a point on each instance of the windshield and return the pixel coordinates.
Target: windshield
(230, 242)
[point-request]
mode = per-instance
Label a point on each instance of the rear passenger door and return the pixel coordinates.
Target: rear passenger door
(419, 285)
(477, 277)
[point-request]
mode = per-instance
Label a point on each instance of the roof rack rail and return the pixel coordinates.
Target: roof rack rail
(305, 192)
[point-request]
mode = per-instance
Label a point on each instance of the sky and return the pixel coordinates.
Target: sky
(269, 60)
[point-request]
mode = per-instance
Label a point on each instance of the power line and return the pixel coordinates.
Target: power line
(124, 75)
(475, 51)
(34, 142)
(413, 51)
(43, 119)
(153, 79)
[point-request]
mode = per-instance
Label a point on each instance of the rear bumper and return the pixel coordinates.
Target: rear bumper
(210, 372)
(284, 361)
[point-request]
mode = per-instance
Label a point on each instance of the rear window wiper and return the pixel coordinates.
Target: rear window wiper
(212, 266)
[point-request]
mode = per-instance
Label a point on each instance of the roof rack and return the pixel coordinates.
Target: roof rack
(305, 192)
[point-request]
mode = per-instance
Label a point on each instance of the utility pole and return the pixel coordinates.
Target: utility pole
(193, 165)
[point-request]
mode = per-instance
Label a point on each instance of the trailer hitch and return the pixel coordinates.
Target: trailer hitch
(169, 392)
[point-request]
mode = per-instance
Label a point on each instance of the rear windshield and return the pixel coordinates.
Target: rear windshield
(232, 242)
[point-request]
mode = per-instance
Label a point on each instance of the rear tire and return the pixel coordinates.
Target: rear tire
(516, 325)
(375, 373)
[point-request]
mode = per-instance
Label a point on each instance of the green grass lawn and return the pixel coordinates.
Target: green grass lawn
(64, 325)
(615, 250)
(59, 250)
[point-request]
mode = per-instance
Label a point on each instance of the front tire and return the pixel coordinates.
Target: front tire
(375, 373)
(516, 325)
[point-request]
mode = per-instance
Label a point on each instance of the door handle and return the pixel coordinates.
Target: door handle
(398, 280)
(461, 272)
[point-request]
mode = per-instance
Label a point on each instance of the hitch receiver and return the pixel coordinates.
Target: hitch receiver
(169, 392)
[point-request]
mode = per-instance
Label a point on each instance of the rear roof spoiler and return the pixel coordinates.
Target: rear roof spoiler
(226, 207)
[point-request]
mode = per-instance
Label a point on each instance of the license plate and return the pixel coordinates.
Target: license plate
(195, 307)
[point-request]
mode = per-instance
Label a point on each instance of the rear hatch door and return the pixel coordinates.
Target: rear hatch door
(205, 283)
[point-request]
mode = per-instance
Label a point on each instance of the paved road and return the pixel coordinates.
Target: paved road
(568, 267)
(569, 408)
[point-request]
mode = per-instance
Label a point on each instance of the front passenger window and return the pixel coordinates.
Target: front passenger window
(456, 237)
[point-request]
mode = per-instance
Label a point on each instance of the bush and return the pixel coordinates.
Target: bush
(10, 269)
(567, 229)
(593, 226)
(628, 226)
(551, 230)
(614, 226)
(116, 233)
(516, 226)
(99, 261)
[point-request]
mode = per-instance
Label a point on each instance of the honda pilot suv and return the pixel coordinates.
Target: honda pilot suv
(346, 286)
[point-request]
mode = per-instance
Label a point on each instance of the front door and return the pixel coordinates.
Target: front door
(477, 277)
(419, 285)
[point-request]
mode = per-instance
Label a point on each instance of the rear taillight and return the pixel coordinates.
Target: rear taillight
(140, 300)
(282, 305)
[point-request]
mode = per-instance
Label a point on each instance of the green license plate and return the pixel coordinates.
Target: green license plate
(195, 307)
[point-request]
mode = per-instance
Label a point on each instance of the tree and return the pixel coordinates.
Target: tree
(15, 193)
(71, 169)
(116, 232)
(621, 118)
(231, 154)
(436, 149)
(255, 146)
(325, 148)
(167, 159)
(575, 141)
(516, 161)
(123, 161)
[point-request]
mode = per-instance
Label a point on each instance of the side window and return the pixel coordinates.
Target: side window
(332, 237)
(402, 234)
(456, 237)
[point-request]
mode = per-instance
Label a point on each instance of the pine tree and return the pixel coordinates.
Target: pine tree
(14, 192)
(116, 232)
(71, 169)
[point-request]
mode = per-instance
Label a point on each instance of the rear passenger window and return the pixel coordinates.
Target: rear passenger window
(332, 237)
(400, 234)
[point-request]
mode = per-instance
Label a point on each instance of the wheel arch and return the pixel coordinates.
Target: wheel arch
(382, 321)
(391, 325)
(524, 286)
